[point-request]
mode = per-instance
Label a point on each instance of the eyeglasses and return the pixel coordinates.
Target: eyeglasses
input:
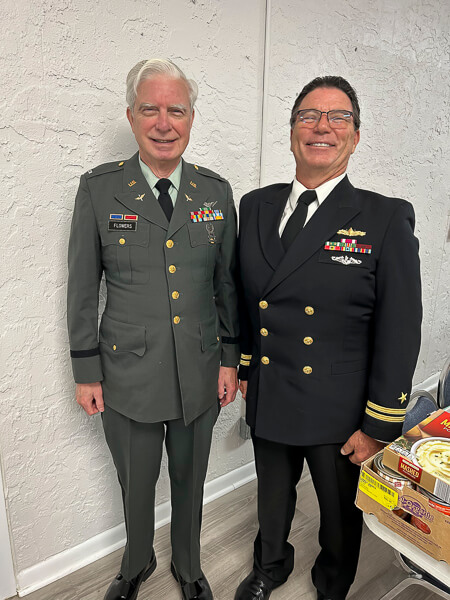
(310, 117)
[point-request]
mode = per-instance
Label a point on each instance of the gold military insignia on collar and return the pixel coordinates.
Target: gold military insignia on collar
(131, 183)
(193, 184)
(351, 232)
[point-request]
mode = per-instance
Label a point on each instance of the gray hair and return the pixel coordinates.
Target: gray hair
(146, 69)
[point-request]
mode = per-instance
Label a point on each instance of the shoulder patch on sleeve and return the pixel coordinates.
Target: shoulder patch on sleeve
(208, 172)
(105, 168)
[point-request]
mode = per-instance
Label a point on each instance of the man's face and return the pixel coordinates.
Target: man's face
(161, 121)
(322, 153)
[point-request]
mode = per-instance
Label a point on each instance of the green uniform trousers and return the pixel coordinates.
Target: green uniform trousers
(136, 449)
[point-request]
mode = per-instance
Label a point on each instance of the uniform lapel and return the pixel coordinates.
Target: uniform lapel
(138, 197)
(190, 198)
(334, 213)
(270, 211)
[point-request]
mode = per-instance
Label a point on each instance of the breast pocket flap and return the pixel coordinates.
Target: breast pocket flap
(133, 237)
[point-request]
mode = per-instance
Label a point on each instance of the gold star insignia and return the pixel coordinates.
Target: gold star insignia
(402, 398)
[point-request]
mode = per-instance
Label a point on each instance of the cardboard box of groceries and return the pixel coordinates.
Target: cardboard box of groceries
(422, 454)
(405, 510)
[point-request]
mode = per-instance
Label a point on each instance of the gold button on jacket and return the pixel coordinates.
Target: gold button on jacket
(265, 360)
(176, 320)
(264, 332)
(263, 304)
(169, 243)
(122, 241)
(307, 370)
(307, 340)
(309, 310)
(175, 295)
(172, 269)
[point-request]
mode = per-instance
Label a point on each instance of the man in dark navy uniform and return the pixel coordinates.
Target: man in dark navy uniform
(331, 334)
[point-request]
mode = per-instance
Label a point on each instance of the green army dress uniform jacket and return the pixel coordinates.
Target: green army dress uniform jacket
(171, 316)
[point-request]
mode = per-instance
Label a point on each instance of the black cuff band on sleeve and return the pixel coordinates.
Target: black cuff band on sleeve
(230, 340)
(84, 353)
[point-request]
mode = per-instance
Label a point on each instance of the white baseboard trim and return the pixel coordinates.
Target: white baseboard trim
(64, 563)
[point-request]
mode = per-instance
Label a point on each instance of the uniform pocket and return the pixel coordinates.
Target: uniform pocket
(209, 334)
(125, 253)
(205, 238)
(350, 366)
(345, 259)
(122, 337)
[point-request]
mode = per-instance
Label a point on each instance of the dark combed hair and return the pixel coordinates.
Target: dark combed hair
(329, 81)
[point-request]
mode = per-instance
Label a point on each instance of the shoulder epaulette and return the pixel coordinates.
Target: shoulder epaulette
(208, 172)
(106, 168)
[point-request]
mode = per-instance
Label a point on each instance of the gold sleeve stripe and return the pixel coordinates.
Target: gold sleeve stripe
(383, 417)
(244, 363)
(387, 411)
(246, 356)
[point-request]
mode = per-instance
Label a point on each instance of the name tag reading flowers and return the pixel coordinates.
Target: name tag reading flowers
(118, 222)
(348, 245)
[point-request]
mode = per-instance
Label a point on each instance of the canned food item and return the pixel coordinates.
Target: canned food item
(440, 505)
(420, 524)
(394, 479)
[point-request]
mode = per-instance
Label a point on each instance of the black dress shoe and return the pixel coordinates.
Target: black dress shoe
(197, 590)
(121, 589)
(252, 588)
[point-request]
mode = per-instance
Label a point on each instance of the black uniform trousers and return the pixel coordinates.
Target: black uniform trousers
(136, 449)
(335, 478)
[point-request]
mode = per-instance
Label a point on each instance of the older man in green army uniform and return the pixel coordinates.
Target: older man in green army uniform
(163, 232)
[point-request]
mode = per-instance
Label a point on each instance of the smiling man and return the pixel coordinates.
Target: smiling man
(163, 232)
(330, 336)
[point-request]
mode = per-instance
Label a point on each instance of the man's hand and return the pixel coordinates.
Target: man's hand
(227, 385)
(243, 388)
(90, 397)
(360, 446)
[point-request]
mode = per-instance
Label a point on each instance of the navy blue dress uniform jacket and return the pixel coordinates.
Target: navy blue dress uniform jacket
(171, 316)
(330, 338)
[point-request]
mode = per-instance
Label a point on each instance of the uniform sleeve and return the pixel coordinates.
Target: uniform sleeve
(85, 273)
(246, 338)
(225, 288)
(396, 332)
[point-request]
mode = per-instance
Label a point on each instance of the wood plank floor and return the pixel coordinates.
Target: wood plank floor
(229, 527)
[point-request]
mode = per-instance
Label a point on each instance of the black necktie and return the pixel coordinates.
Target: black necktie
(164, 198)
(298, 218)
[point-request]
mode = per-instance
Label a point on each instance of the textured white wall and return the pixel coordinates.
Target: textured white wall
(64, 65)
(396, 54)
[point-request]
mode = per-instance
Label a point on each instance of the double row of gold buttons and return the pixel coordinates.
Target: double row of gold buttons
(309, 310)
